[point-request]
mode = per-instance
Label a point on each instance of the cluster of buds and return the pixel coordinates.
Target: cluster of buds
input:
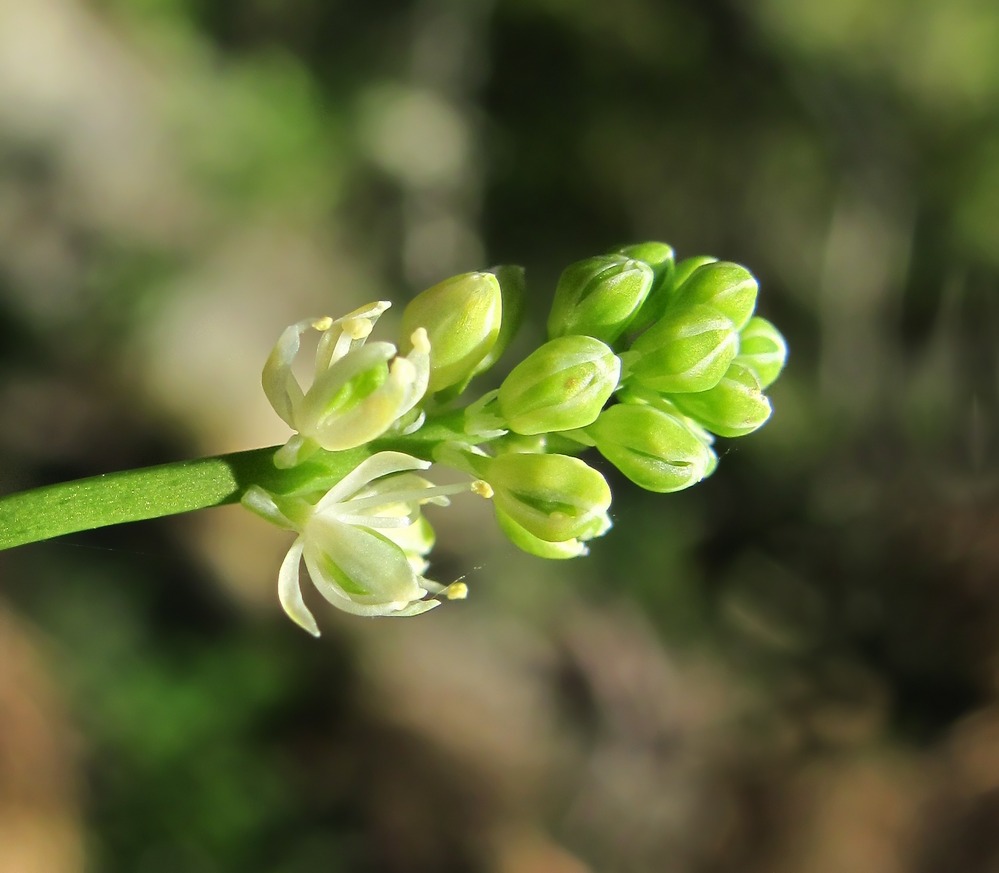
(647, 360)
(695, 360)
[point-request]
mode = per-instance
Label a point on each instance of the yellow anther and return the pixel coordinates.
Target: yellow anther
(483, 489)
(357, 328)
(456, 591)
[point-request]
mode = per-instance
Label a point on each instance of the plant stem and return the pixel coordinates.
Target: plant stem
(149, 492)
(183, 486)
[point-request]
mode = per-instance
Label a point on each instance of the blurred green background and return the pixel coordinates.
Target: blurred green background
(792, 667)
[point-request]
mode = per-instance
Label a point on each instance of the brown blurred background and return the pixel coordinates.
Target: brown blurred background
(792, 668)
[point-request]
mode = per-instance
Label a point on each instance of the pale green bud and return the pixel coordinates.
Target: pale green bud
(531, 544)
(560, 386)
(689, 349)
(734, 407)
(654, 449)
(555, 498)
(657, 255)
(664, 293)
(513, 289)
(661, 258)
(685, 268)
(462, 318)
(762, 349)
(599, 296)
(729, 288)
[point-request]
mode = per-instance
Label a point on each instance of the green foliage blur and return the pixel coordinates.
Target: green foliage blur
(790, 667)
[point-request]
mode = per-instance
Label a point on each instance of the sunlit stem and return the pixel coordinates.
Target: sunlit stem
(152, 492)
(184, 486)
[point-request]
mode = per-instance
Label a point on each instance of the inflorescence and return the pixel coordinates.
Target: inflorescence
(647, 361)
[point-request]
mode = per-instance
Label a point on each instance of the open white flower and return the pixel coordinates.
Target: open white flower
(358, 390)
(364, 542)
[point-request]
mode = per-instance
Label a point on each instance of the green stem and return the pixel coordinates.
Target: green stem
(183, 486)
(447, 427)
(151, 492)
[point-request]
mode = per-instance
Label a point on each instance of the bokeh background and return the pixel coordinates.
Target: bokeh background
(792, 668)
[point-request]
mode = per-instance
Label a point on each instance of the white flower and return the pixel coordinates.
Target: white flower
(364, 542)
(358, 390)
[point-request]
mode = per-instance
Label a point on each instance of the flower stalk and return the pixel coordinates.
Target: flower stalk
(138, 495)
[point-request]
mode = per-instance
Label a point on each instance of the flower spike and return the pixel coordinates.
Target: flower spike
(648, 360)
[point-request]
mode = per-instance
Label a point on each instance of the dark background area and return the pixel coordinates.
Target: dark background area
(791, 667)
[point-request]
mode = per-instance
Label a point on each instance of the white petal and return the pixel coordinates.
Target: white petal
(290, 590)
(393, 400)
(412, 498)
(370, 311)
(417, 607)
(374, 610)
(279, 383)
(342, 558)
(403, 480)
(378, 465)
(327, 384)
(418, 418)
(347, 333)
(416, 541)
(346, 604)
(419, 362)
(366, 420)
(381, 522)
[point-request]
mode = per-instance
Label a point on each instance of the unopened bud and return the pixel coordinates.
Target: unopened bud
(654, 449)
(513, 290)
(528, 542)
(661, 258)
(685, 268)
(689, 349)
(560, 386)
(729, 288)
(555, 498)
(658, 255)
(734, 407)
(599, 296)
(763, 350)
(462, 318)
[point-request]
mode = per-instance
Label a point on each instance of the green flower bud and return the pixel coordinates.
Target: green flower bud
(599, 296)
(560, 386)
(462, 318)
(763, 350)
(531, 544)
(657, 255)
(555, 498)
(689, 349)
(654, 449)
(660, 257)
(729, 288)
(663, 295)
(513, 289)
(684, 269)
(734, 407)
